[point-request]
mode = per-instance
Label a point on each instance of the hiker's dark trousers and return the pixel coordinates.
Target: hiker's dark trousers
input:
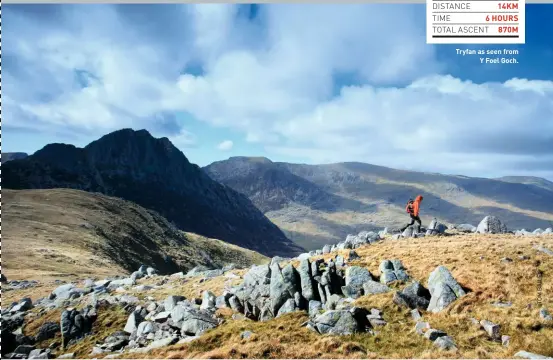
(413, 219)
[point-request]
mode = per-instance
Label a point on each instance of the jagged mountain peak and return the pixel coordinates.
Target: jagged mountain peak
(153, 173)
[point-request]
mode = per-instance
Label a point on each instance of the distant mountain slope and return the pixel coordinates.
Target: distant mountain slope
(61, 232)
(9, 156)
(360, 196)
(529, 180)
(153, 173)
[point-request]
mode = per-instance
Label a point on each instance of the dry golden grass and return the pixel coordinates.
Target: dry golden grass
(189, 287)
(71, 234)
(474, 260)
(489, 280)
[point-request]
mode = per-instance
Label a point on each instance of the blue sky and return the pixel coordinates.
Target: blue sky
(297, 83)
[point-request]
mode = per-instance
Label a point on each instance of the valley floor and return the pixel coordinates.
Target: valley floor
(509, 281)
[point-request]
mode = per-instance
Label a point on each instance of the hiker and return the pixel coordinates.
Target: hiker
(413, 208)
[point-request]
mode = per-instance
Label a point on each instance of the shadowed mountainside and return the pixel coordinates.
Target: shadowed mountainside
(153, 173)
(9, 156)
(317, 204)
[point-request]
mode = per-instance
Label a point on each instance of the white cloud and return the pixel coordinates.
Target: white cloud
(278, 87)
(225, 145)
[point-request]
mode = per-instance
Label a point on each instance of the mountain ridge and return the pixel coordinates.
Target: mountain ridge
(372, 197)
(153, 173)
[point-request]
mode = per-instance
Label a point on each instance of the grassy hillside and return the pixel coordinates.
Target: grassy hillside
(476, 261)
(72, 233)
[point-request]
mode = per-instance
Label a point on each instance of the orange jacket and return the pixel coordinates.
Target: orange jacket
(416, 205)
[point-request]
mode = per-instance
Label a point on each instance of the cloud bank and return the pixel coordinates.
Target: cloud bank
(323, 83)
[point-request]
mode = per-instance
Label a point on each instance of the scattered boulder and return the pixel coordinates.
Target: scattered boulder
(76, 324)
(444, 289)
(335, 322)
(493, 330)
(413, 296)
(544, 250)
(246, 334)
(545, 315)
(23, 305)
(356, 277)
(529, 355)
(445, 343)
(392, 270)
(48, 330)
(372, 287)
(436, 227)
(491, 225)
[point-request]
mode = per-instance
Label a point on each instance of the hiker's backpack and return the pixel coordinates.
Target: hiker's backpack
(409, 207)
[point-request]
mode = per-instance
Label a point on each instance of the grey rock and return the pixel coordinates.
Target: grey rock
(392, 270)
(208, 300)
(196, 323)
(493, 330)
(257, 275)
(132, 322)
(356, 277)
(24, 349)
(145, 328)
(545, 315)
(326, 249)
(336, 322)
(529, 355)
(67, 356)
(235, 304)
(23, 305)
(315, 308)
(436, 227)
(306, 280)
(171, 301)
(222, 301)
(48, 330)
(288, 307)
(40, 354)
(491, 225)
(505, 340)
(246, 334)
(421, 327)
(416, 314)
(372, 287)
(278, 289)
(445, 343)
(413, 296)
(444, 289)
(352, 291)
(544, 250)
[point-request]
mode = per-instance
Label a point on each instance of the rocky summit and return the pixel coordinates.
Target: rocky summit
(429, 294)
(153, 173)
